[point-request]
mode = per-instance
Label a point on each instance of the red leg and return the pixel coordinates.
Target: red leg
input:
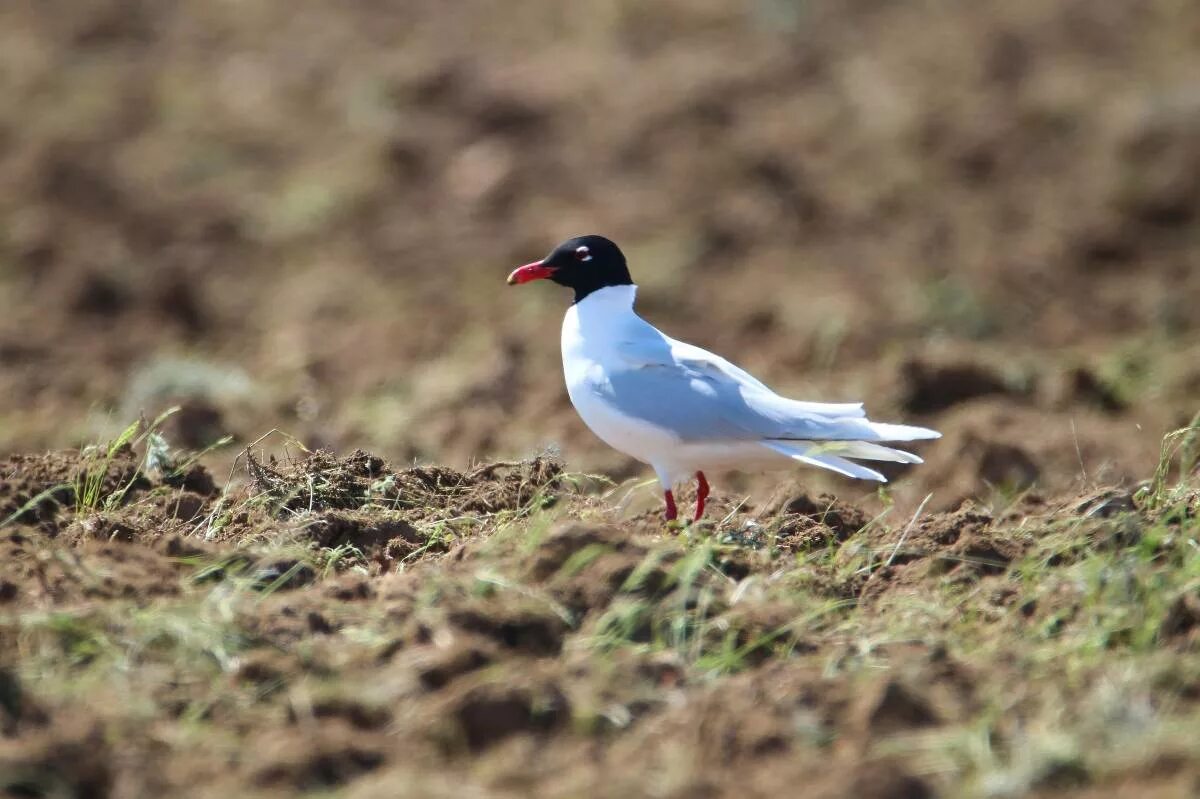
(672, 513)
(701, 495)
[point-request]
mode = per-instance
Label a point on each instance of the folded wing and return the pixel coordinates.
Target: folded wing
(699, 396)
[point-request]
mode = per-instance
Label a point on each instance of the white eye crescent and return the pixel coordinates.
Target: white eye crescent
(582, 253)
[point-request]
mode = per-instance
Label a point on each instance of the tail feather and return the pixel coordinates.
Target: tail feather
(842, 466)
(848, 428)
(836, 410)
(900, 432)
(867, 451)
(815, 455)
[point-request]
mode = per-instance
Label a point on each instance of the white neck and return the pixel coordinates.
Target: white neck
(603, 303)
(593, 324)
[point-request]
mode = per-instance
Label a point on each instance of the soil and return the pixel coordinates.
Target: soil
(977, 217)
(397, 662)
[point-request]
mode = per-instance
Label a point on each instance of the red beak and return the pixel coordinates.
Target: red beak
(534, 271)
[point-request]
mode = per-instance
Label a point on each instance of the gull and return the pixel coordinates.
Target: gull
(681, 409)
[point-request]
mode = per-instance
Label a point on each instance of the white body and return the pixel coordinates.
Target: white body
(630, 385)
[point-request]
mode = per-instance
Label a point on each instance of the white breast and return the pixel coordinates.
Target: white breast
(588, 333)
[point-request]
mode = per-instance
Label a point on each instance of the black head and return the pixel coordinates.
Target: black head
(584, 263)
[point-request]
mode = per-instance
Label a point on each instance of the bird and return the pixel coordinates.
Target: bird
(683, 410)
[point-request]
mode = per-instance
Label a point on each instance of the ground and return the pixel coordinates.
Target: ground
(359, 543)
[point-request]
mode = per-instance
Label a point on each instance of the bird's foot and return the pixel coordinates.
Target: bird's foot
(672, 513)
(701, 495)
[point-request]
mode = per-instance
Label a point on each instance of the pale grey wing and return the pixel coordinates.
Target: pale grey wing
(699, 401)
(692, 404)
(700, 396)
(644, 345)
(688, 354)
(704, 404)
(692, 400)
(758, 410)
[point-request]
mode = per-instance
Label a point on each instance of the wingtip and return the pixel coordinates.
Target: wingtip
(902, 432)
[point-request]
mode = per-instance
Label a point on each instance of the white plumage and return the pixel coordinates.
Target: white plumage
(684, 410)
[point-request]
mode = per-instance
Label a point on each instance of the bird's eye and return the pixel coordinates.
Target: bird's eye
(583, 254)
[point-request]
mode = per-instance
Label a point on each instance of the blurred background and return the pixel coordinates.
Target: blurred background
(295, 214)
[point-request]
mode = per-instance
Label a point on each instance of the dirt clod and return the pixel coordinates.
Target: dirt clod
(488, 714)
(36, 488)
(367, 532)
(60, 760)
(895, 707)
(889, 780)
(929, 387)
(529, 630)
(1182, 620)
(569, 540)
(808, 518)
(437, 666)
(333, 756)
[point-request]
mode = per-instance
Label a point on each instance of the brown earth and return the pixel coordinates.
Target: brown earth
(983, 217)
(419, 630)
(986, 224)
